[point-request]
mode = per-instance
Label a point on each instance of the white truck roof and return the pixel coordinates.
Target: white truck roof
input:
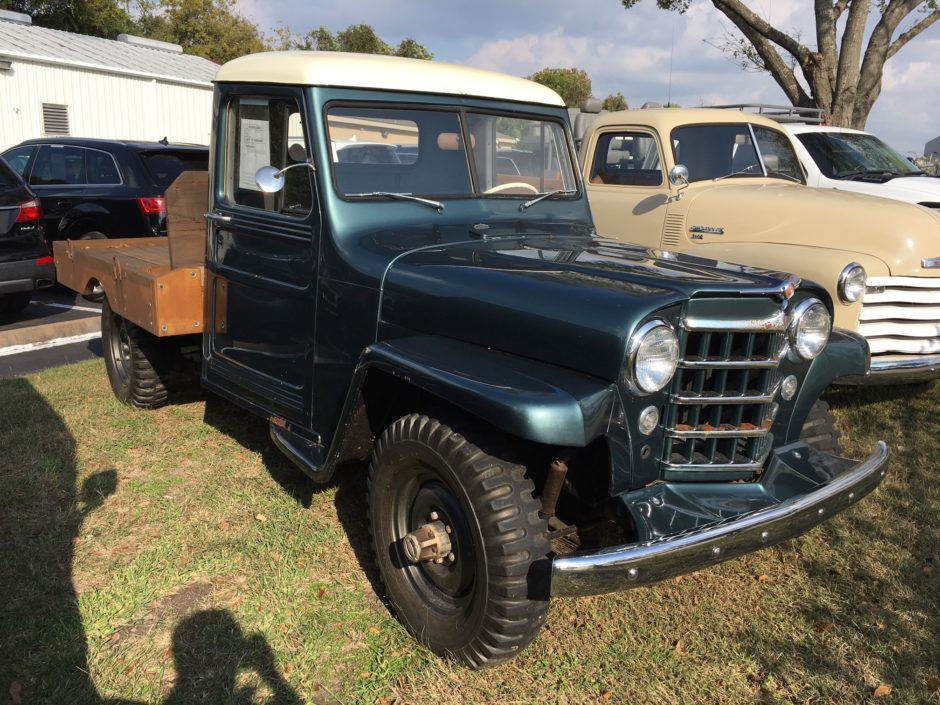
(368, 71)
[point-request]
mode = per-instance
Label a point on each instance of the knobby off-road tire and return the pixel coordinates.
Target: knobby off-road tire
(479, 608)
(819, 429)
(138, 364)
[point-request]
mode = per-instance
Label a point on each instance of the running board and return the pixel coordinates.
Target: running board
(304, 451)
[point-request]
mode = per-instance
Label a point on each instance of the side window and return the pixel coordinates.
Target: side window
(267, 132)
(18, 159)
(778, 153)
(627, 159)
(59, 166)
(101, 168)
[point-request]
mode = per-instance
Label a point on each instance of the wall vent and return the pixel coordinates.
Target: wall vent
(55, 119)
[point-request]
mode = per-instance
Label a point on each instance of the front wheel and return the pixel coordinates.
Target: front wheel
(458, 538)
(819, 429)
(136, 361)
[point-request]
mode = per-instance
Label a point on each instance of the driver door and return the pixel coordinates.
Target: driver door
(262, 256)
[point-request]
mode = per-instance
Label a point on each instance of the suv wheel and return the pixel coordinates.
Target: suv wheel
(456, 534)
(97, 291)
(138, 365)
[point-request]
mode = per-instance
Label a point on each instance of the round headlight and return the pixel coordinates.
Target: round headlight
(809, 328)
(654, 355)
(852, 283)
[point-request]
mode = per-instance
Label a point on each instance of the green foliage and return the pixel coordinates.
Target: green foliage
(98, 18)
(212, 29)
(615, 101)
(360, 39)
(573, 85)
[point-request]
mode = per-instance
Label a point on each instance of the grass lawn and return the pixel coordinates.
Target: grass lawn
(175, 557)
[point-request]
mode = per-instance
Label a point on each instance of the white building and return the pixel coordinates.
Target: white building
(61, 83)
(932, 148)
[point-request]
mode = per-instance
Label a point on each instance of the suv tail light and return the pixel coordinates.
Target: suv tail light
(152, 206)
(29, 212)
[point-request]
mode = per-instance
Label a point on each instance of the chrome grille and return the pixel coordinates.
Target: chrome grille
(901, 316)
(722, 403)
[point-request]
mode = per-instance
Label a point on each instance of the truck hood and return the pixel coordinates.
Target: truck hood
(898, 234)
(570, 301)
(913, 189)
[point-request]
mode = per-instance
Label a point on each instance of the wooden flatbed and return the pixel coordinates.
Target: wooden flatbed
(155, 282)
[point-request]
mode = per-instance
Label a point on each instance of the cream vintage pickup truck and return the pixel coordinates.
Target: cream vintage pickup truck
(727, 185)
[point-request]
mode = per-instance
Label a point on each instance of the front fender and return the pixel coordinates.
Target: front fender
(527, 399)
(846, 355)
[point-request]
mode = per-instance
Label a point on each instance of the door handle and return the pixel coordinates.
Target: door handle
(217, 217)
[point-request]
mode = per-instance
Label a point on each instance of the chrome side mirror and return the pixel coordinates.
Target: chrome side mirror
(271, 180)
(679, 176)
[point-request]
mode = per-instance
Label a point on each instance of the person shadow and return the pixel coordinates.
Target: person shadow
(43, 643)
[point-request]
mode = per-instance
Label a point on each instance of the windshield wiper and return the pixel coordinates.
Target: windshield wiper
(784, 175)
(883, 174)
(436, 205)
(542, 196)
(746, 171)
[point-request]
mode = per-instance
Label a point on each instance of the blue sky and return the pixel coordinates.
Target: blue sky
(622, 50)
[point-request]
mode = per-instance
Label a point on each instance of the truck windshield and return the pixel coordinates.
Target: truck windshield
(847, 155)
(721, 151)
(388, 150)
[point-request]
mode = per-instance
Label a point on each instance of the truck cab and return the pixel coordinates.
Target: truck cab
(544, 412)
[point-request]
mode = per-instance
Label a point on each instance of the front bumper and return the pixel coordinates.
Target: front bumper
(801, 488)
(898, 369)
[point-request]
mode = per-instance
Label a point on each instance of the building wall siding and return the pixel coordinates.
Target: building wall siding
(932, 147)
(101, 105)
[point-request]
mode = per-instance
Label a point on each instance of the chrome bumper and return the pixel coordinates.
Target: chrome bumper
(898, 370)
(635, 565)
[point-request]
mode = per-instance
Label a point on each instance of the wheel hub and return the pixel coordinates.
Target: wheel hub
(429, 542)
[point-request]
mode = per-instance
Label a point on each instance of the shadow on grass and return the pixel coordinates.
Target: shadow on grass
(875, 615)
(349, 479)
(43, 645)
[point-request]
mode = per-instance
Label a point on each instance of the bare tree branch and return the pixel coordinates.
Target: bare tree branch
(907, 36)
(764, 47)
(759, 25)
(839, 8)
(849, 60)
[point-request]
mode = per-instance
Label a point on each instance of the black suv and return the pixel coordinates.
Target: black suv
(95, 188)
(25, 262)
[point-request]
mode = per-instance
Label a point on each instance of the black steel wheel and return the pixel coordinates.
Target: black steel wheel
(136, 361)
(458, 540)
(819, 429)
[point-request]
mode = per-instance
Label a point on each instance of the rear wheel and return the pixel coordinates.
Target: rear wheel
(138, 363)
(457, 536)
(819, 429)
(14, 303)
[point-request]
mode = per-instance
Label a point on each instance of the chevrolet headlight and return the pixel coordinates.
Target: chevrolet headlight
(653, 356)
(852, 283)
(809, 328)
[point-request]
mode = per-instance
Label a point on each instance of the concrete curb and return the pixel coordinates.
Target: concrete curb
(49, 331)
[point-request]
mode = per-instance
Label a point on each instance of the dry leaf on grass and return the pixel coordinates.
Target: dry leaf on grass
(680, 649)
(261, 517)
(375, 630)
(882, 691)
(763, 578)
(825, 627)
(16, 693)
(933, 684)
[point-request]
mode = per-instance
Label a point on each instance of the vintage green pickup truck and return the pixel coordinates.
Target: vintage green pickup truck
(400, 263)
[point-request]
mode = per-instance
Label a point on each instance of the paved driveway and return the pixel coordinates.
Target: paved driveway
(58, 327)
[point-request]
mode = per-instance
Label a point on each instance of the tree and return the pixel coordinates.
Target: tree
(833, 75)
(98, 18)
(212, 29)
(573, 85)
(360, 39)
(615, 101)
